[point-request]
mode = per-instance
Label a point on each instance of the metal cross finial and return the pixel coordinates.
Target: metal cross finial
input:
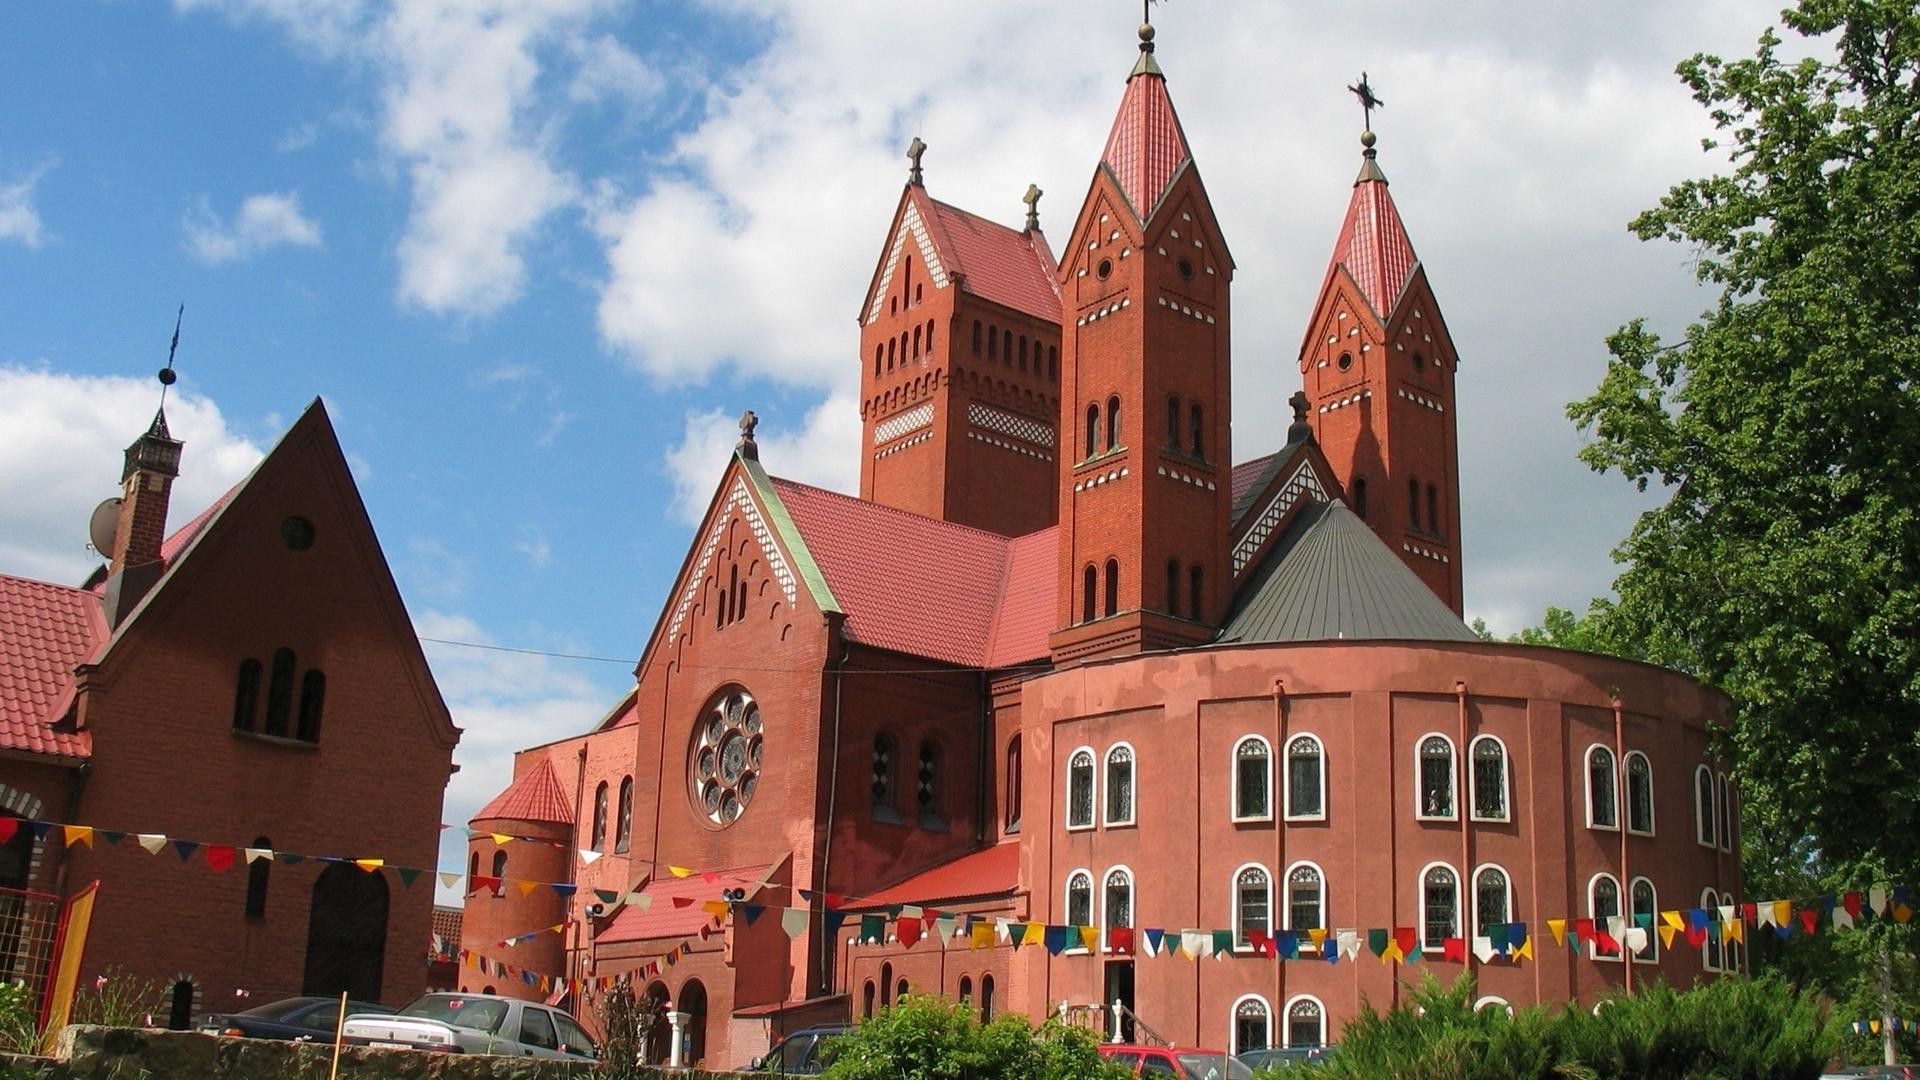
(1032, 199)
(915, 150)
(1368, 100)
(167, 377)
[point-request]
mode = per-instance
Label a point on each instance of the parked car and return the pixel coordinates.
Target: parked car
(1185, 1062)
(311, 1018)
(474, 1024)
(1880, 1072)
(807, 1052)
(1274, 1057)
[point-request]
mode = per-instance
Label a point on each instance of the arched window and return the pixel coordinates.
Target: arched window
(986, 998)
(926, 793)
(966, 988)
(1489, 779)
(1639, 794)
(876, 359)
(1602, 778)
(280, 693)
(1306, 1022)
(1704, 819)
(1006, 345)
(916, 343)
(1113, 422)
(1023, 352)
(1492, 900)
(866, 1000)
(1603, 904)
(1726, 814)
(1252, 1024)
(180, 1005)
(1120, 801)
(1646, 906)
(623, 819)
(313, 699)
(1093, 430)
(499, 869)
(891, 345)
(1360, 497)
(1433, 510)
(886, 985)
(1173, 587)
(976, 337)
(929, 337)
(599, 842)
(900, 990)
(1252, 900)
(1252, 780)
(1080, 789)
(1439, 906)
(1117, 910)
(246, 699)
(1053, 363)
(1089, 593)
(258, 867)
(1494, 1001)
(1196, 598)
(1113, 586)
(1436, 778)
(473, 868)
(1306, 779)
(1079, 904)
(1013, 785)
(1413, 502)
(993, 342)
(1196, 432)
(1711, 956)
(1173, 422)
(1306, 897)
(883, 787)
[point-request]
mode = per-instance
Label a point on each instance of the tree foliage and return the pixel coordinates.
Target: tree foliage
(1784, 565)
(923, 1038)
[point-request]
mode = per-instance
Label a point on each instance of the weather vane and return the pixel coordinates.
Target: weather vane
(1146, 10)
(167, 376)
(1368, 100)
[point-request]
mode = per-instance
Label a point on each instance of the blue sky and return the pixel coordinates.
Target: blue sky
(537, 254)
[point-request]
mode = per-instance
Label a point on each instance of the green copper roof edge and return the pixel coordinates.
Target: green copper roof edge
(790, 537)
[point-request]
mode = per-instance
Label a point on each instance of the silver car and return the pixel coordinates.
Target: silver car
(474, 1024)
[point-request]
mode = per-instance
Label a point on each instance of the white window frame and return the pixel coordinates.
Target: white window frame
(1626, 791)
(1133, 793)
(1286, 894)
(1093, 818)
(1133, 902)
(1473, 780)
(1706, 811)
(1490, 1001)
(1066, 907)
(1233, 1021)
(1710, 900)
(1474, 914)
(1233, 811)
(1650, 955)
(1420, 882)
(1593, 896)
(1233, 888)
(1287, 771)
(1586, 771)
(1726, 823)
(1287, 1018)
(1419, 779)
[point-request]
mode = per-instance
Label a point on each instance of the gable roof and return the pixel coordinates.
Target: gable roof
(1373, 246)
(1011, 267)
(1328, 576)
(46, 631)
(534, 795)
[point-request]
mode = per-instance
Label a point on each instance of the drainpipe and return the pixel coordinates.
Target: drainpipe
(1278, 762)
(1470, 890)
(81, 773)
(833, 791)
(1622, 815)
(984, 788)
(577, 932)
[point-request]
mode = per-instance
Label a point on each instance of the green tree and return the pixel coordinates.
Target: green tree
(923, 1038)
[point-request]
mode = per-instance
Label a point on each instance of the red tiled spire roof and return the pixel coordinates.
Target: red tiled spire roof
(1373, 244)
(534, 795)
(1146, 147)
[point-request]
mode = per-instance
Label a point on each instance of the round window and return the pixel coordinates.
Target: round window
(1346, 361)
(297, 533)
(724, 763)
(1186, 269)
(1105, 269)
(1419, 362)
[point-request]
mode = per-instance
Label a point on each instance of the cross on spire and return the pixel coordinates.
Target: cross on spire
(915, 151)
(1032, 199)
(1368, 100)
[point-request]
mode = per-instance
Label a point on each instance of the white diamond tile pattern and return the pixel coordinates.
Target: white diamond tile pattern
(895, 426)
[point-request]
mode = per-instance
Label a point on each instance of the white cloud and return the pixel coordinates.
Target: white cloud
(822, 452)
(263, 221)
(62, 456)
(609, 73)
(326, 26)
(19, 220)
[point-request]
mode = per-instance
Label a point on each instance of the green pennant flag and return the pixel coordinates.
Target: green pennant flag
(408, 875)
(1223, 943)
(606, 896)
(873, 928)
(289, 858)
(1377, 942)
(109, 835)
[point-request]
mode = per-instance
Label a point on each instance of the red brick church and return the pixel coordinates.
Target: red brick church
(1065, 663)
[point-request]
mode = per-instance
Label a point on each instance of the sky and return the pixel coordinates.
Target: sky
(537, 256)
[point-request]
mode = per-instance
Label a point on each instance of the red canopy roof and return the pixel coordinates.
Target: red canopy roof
(534, 795)
(987, 872)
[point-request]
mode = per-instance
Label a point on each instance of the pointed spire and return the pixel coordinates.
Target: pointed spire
(1146, 147)
(1373, 244)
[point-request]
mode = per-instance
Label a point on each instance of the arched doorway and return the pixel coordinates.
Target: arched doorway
(180, 1006)
(693, 1002)
(347, 933)
(659, 1032)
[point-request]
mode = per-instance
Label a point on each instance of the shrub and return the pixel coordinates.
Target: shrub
(922, 1038)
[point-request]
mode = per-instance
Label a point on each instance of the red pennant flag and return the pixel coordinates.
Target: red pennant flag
(220, 857)
(1121, 938)
(1405, 937)
(1605, 941)
(709, 877)
(1262, 942)
(1583, 930)
(1453, 950)
(491, 884)
(1852, 899)
(1752, 916)
(1809, 918)
(908, 930)
(11, 825)
(1696, 937)
(683, 901)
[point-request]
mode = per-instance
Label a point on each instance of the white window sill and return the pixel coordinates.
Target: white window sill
(1307, 817)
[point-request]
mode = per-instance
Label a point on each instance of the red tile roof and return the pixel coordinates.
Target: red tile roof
(1244, 475)
(1009, 267)
(45, 632)
(987, 872)
(534, 795)
(1027, 604)
(665, 919)
(446, 928)
(1373, 245)
(1146, 146)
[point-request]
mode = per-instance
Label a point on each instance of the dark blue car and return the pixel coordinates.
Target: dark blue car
(311, 1018)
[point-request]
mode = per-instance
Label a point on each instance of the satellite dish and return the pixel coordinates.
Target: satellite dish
(101, 526)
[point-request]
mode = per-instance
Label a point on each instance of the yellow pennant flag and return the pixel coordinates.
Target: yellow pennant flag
(78, 834)
(714, 907)
(679, 871)
(1393, 952)
(982, 937)
(1317, 935)
(1666, 935)
(369, 865)
(1558, 927)
(1874, 1025)
(1673, 919)
(501, 838)
(1733, 930)
(1036, 934)
(1782, 912)
(526, 887)
(1089, 937)
(1524, 950)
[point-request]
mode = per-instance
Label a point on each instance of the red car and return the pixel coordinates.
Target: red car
(1183, 1062)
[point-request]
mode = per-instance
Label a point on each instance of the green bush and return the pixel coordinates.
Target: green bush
(922, 1038)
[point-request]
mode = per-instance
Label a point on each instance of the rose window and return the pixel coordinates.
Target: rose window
(726, 757)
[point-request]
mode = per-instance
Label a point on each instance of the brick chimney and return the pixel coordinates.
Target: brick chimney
(146, 483)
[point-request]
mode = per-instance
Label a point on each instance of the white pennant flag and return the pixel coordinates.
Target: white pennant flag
(943, 928)
(909, 911)
(255, 854)
(1196, 943)
(449, 878)
(155, 843)
(1763, 914)
(1000, 932)
(1636, 938)
(588, 856)
(1842, 918)
(1877, 900)
(1483, 948)
(794, 921)
(1728, 913)
(1348, 944)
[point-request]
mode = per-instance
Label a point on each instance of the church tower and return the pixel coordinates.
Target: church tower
(1145, 465)
(1378, 365)
(960, 366)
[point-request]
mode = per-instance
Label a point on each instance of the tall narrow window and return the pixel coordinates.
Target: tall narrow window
(1113, 586)
(876, 360)
(1093, 430)
(1306, 778)
(1433, 510)
(866, 1000)
(1602, 806)
(929, 337)
(916, 343)
(1118, 908)
(313, 699)
(1711, 956)
(1006, 343)
(623, 818)
(1053, 363)
(1306, 898)
(1646, 903)
(1113, 422)
(1196, 433)
(886, 985)
(258, 867)
(473, 868)
(1703, 816)
(1173, 422)
(1089, 593)
(1120, 785)
(1413, 502)
(883, 764)
(246, 703)
(1173, 587)
(926, 795)
(1604, 906)
(976, 337)
(891, 345)
(1489, 779)
(1439, 906)
(993, 342)
(1080, 789)
(1013, 785)
(1252, 1025)
(1252, 898)
(1492, 904)
(1197, 594)
(1639, 794)
(1360, 497)
(966, 988)
(499, 869)
(1023, 352)
(986, 998)
(599, 842)
(1726, 814)
(1306, 1023)
(1079, 907)
(280, 692)
(1436, 777)
(1252, 772)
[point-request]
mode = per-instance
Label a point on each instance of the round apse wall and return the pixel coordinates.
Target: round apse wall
(724, 761)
